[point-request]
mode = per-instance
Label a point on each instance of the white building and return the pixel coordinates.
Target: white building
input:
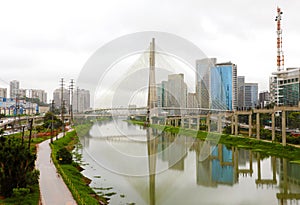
(39, 94)
(285, 87)
(57, 97)
(3, 92)
(14, 88)
(81, 100)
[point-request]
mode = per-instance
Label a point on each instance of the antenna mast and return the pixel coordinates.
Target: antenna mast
(280, 56)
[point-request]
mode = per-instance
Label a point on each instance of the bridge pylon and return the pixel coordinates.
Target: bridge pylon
(152, 97)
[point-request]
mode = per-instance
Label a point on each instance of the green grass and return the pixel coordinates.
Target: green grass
(75, 181)
(270, 148)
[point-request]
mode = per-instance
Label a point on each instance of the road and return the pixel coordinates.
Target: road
(52, 187)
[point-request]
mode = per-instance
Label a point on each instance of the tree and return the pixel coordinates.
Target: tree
(49, 116)
(294, 120)
(1, 132)
(16, 166)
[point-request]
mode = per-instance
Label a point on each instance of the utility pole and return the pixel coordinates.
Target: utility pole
(62, 105)
(77, 99)
(63, 118)
(30, 131)
(23, 129)
(71, 103)
(52, 111)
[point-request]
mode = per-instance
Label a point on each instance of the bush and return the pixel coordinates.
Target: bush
(63, 156)
(20, 193)
(39, 128)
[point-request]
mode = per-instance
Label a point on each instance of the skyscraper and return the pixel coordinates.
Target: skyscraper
(251, 95)
(203, 67)
(14, 88)
(39, 94)
(241, 91)
(81, 100)
(57, 97)
(176, 91)
(223, 86)
(247, 93)
(192, 100)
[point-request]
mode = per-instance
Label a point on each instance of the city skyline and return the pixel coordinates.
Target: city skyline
(39, 49)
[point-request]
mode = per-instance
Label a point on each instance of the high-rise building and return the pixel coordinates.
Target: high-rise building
(247, 93)
(57, 97)
(203, 67)
(21, 93)
(192, 100)
(241, 91)
(14, 88)
(176, 91)
(81, 100)
(264, 99)
(160, 93)
(3, 92)
(285, 87)
(39, 94)
(251, 95)
(223, 86)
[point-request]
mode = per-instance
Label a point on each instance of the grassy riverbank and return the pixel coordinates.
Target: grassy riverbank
(76, 182)
(267, 147)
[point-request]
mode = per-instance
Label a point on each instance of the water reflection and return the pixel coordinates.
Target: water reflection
(236, 176)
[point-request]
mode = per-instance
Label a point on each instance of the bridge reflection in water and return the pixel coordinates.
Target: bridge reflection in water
(224, 167)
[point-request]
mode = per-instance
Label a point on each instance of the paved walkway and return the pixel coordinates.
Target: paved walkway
(52, 187)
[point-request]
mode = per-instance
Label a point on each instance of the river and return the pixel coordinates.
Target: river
(134, 165)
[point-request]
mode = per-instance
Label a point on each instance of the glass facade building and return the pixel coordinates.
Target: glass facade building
(223, 86)
(251, 95)
(285, 87)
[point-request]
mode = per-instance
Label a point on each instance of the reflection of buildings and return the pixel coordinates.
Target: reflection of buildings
(289, 182)
(217, 168)
(215, 164)
(173, 150)
(259, 181)
(222, 165)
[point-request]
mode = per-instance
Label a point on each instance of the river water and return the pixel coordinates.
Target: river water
(134, 165)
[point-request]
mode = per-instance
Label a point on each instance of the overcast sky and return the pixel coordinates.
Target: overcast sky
(40, 42)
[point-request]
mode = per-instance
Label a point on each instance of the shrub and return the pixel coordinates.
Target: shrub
(64, 156)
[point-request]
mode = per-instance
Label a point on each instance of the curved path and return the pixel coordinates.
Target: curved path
(52, 187)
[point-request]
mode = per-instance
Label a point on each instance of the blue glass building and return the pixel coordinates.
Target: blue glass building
(223, 86)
